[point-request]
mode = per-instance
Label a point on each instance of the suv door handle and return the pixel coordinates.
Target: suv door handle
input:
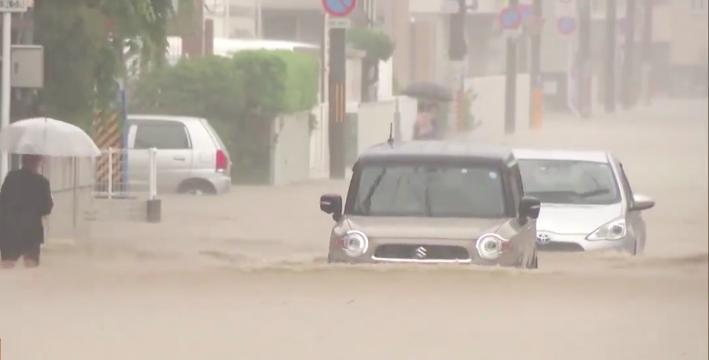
(180, 158)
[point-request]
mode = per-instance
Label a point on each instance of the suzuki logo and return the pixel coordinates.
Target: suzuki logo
(543, 239)
(421, 253)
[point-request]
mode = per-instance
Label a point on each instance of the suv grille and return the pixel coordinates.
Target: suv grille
(422, 252)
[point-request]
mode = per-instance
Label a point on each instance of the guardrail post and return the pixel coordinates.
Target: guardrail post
(154, 206)
(153, 173)
(110, 173)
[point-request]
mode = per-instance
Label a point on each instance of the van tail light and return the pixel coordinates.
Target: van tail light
(222, 161)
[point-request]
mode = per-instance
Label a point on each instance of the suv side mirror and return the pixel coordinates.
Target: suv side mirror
(642, 203)
(332, 205)
(529, 208)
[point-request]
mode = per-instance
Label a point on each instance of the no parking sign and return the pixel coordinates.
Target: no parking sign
(339, 8)
(566, 14)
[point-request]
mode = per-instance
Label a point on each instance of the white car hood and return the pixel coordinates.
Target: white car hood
(576, 219)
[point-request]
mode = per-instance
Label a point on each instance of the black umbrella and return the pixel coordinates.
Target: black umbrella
(428, 91)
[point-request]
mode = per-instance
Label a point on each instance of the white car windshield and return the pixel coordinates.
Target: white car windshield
(570, 182)
(429, 191)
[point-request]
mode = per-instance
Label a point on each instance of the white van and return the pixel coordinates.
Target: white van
(191, 157)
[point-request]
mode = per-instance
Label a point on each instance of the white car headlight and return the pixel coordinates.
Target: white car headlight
(491, 246)
(614, 230)
(355, 244)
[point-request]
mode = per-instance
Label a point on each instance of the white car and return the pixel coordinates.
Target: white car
(587, 201)
(191, 157)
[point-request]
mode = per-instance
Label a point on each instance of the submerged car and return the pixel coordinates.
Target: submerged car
(434, 202)
(191, 156)
(587, 201)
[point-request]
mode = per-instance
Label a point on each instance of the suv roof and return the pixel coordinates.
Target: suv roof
(181, 119)
(588, 156)
(438, 150)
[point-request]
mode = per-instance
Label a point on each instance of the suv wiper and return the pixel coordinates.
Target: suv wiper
(592, 193)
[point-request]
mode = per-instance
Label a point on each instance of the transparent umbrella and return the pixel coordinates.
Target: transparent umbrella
(47, 137)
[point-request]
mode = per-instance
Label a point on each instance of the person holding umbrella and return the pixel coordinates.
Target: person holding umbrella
(25, 198)
(428, 125)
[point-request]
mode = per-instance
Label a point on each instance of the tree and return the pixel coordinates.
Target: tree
(377, 47)
(87, 44)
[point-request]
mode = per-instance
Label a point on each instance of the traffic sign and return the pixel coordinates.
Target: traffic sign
(339, 23)
(510, 18)
(526, 11)
(13, 5)
(567, 25)
(339, 8)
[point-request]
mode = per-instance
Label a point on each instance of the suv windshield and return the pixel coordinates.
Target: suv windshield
(570, 182)
(429, 191)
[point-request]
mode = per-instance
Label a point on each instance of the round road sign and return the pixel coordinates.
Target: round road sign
(339, 8)
(566, 25)
(510, 18)
(526, 11)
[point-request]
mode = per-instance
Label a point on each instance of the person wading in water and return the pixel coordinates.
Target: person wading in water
(25, 198)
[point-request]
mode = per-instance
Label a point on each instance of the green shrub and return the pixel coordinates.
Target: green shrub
(376, 44)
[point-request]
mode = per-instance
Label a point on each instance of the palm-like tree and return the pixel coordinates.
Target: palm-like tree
(88, 41)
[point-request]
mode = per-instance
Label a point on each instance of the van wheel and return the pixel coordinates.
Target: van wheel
(197, 187)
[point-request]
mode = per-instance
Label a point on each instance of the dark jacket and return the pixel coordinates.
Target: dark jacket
(25, 198)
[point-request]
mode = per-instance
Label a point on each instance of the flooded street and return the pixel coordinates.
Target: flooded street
(244, 276)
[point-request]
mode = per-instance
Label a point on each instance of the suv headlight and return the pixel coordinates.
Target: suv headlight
(355, 243)
(614, 230)
(491, 246)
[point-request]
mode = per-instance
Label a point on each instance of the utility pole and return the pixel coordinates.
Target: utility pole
(7, 9)
(337, 82)
(193, 34)
(6, 86)
(457, 53)
(584, 58)
(537, 101)
(511, 81)
(629, 58)
(337, 102)
(648, 54)
(611, 36)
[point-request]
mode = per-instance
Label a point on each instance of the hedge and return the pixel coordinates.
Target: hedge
(240, 96)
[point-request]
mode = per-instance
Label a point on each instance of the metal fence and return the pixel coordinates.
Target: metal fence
(126, 174)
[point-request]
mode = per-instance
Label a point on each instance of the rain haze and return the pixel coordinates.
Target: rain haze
(354, 179)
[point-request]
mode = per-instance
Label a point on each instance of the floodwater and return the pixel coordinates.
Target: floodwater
(244, 277)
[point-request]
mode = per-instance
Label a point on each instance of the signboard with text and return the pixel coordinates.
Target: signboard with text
(14, 5)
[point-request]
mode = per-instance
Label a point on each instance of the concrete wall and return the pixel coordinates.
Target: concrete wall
(354, 77)
(72, 199)
(489, 107)
(319, 144)
(291, 149)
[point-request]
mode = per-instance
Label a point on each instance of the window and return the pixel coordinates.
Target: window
(161, 135)
(429, 191)
(570, 182)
